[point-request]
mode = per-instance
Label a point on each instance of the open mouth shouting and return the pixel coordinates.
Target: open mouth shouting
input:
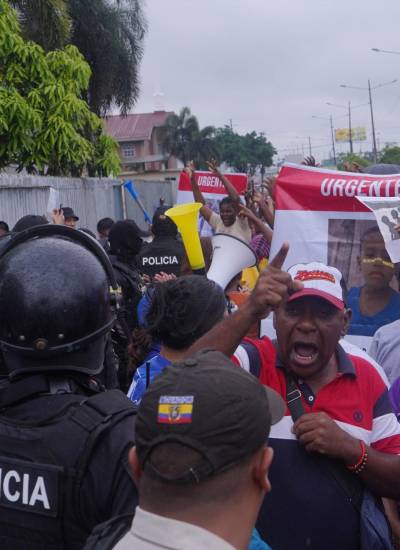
(304, 354)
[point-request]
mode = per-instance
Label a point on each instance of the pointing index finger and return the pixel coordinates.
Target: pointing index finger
(280, 257)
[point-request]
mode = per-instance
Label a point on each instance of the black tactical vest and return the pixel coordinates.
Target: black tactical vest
(42, 467)
(163, 254)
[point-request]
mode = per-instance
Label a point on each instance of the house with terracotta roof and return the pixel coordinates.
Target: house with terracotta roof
(140, 142)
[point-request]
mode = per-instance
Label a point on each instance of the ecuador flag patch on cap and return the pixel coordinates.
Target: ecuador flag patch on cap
(175, 409)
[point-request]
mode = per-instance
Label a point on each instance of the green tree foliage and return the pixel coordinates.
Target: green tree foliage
(390, 155)
(352, 162)
(184, 139)
(109, 34)
(44, 122)
(244, 152)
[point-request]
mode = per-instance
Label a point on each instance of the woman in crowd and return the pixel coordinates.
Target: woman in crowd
(181, 311)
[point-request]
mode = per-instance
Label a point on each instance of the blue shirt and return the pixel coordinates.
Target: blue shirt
(257, 543)
(367, 325)
(144, 375)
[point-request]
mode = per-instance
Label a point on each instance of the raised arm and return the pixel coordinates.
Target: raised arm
(266, 231)
(266, 206)
(230, 189)
(272, 286)
(205, 211)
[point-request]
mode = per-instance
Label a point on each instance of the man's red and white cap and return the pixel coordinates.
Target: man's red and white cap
(319, 280)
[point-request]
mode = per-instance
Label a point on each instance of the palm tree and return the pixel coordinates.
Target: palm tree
(183, 138)
(110, 36)
(109, 33)
(46, 22)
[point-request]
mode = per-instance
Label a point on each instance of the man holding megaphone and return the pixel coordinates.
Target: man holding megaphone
(227, 221)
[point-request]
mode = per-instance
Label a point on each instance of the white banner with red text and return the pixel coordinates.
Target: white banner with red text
(318, 213)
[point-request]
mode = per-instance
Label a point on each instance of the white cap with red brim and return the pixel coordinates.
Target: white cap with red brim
(319, 280)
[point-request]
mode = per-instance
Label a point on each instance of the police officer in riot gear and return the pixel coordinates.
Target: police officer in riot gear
(64, 441)
(125, 243)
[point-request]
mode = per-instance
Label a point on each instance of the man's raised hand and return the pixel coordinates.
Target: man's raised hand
(190, 169)
(273, 285)
(245, 212)
(213, 166)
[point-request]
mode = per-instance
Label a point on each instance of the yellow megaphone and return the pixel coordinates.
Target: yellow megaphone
(186, 217)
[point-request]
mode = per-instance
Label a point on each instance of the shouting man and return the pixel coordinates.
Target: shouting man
(339, 441)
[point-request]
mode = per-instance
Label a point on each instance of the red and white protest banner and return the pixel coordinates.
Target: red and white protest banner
(212, 189)
(318, 213)
(308, 199)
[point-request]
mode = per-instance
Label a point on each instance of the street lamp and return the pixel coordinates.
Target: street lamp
(370, 88)
(332, 134)
(348, 108)
(385, 51)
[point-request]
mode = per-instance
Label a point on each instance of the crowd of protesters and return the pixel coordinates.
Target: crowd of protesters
(141, 407)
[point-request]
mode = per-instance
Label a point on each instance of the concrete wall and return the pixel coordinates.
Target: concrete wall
(91, 198)
(150, 193)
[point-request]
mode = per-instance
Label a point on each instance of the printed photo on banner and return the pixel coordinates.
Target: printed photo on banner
(319, 214)
(358, 250)
(387, 215)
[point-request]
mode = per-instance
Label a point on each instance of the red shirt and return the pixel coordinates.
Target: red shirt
(304, 496)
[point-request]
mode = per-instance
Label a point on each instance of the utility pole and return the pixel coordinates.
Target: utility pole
(309, 146)
(231, 124)
(348, 109)
(370, 88)
(372, 123)
(350, 132)
(332, 132)
(333, 141)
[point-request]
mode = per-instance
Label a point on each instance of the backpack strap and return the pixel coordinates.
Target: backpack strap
(346, 481)
(293, 397)
(96, 417)
(98, 414)
(106, 535)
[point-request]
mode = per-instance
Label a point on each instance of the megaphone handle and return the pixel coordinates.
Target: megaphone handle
(201, 271)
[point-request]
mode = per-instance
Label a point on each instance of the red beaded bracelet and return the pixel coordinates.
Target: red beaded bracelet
(359, 466)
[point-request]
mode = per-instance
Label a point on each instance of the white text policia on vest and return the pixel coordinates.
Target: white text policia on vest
(163, 260)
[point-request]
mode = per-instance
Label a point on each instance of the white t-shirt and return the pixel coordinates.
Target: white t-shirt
(150, 532)
(239, 229)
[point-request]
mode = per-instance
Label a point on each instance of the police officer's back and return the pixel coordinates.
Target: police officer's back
(165, 253)
(63, 441)
(125, 243)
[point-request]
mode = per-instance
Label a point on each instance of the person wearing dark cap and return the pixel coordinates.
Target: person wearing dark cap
(165, 253)
(201, 459)
(103, 230)
(30, 220)
(125, 243)
(70, 218)
(4, 229)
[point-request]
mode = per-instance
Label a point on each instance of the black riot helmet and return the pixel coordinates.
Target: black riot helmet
(57, 294)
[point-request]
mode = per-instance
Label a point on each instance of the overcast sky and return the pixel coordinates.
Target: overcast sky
(270, 65)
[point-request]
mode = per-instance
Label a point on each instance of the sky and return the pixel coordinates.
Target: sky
(270, 66)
